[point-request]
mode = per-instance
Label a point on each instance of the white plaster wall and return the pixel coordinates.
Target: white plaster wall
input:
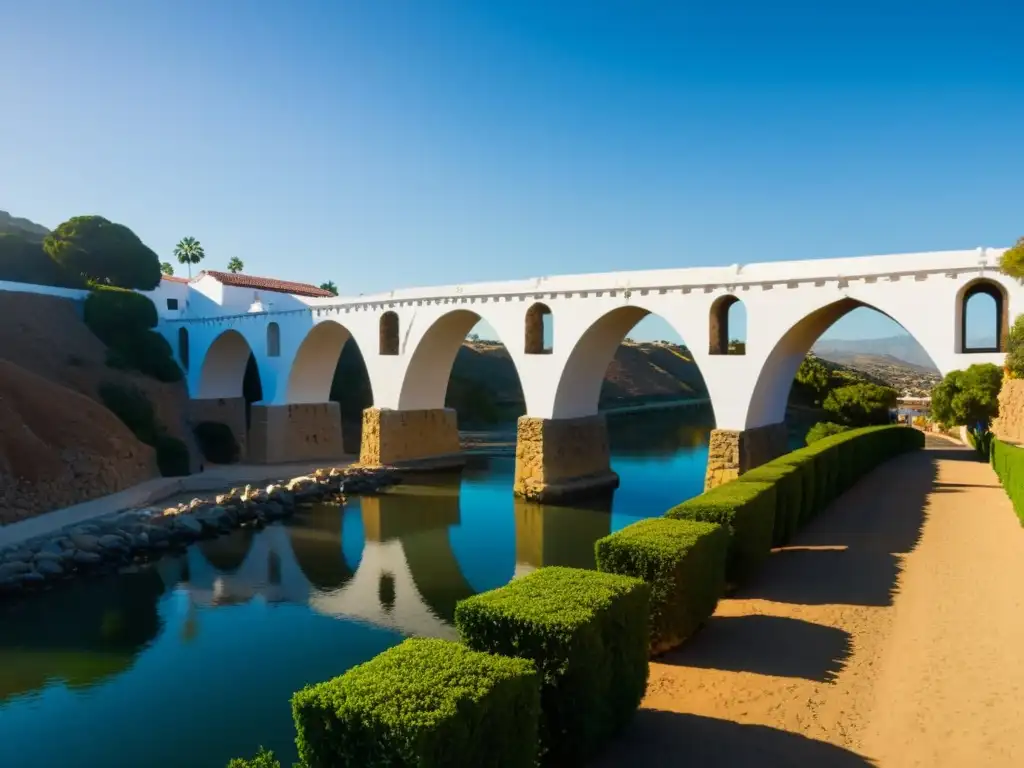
(43, 290)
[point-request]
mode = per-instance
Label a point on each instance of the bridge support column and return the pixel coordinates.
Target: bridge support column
(281, 434)
(557, 459)
(402, 437)
(733, 452)
(223, 410)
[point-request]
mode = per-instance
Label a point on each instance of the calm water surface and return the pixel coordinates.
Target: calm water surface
(193, 661)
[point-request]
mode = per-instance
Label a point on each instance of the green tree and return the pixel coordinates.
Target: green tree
(166, 268)
(23, 260)
(812, 380)
(1012, 260)
(860, 405)
(968, 397)
(103, 252)
(824, 429)
(1015, 348)
(236, 265)
(189, 251)
(330, 286)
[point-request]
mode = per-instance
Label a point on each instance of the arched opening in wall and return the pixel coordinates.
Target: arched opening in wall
(389, 334)
(229, 369)
(461, 363)
(329, 366)
(539, 331)
(183, 347)
(727, 326)
(317, 540)
(983, 315)
(273, 340)
(847, 364)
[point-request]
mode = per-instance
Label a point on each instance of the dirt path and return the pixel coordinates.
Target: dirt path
(890, 633)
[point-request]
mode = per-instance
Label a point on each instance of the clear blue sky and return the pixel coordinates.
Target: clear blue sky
(404, 142)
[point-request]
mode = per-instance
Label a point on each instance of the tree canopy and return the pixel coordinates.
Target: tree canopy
(968, 397)
(166, 268)
(1012, 260)
(330, 286)
(860, 405)
(189, 251)
(813, 378)
(235, 265)
(103, 252)
(23, 260)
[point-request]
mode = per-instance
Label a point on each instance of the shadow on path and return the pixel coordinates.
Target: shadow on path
(657, 738)
(767, 645)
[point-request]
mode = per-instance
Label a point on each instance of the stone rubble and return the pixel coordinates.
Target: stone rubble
(120, 541)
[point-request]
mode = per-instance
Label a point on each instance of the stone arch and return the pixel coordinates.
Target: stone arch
(183, 346)
(312, 370)
(579, 385)
(224, 365)
(534, 343)
(388, 333)
(719, 332)
(273, 340)
(992, 289)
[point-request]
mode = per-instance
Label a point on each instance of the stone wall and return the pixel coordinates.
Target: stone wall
(559, 458)
(1009, 426)
(733, 452)
(396, 437)
(225, 410)
(301, 432)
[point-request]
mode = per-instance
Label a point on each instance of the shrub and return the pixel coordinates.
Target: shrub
(1008, 462)
(682, 560)
(132, 407)
(747, 511)
(264, 759)
(788, 484)
(587, 633)
(861, 403)
(113, 313)
(172, 457)
(426, 702)
(1015, 347)
(217, 442)
(808, 466)
(822, 430)
(149, 353)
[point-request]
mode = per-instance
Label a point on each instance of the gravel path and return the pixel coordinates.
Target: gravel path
(890, 633)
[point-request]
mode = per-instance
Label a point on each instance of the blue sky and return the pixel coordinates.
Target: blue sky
(399, 143)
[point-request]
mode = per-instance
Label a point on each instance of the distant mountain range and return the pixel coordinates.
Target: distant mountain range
(899, 349)
(12, 225)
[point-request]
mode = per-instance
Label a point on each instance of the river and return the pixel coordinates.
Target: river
(192, 661)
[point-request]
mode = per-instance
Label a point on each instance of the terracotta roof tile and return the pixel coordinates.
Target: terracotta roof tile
(266, 284)
(173, 279)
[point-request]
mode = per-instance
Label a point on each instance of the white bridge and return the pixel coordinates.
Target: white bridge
(409, 339)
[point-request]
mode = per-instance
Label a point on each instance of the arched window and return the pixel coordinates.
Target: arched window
(273, 340)
(540, 330)
(983, 318)
(389, 333)
(725, 336)
(183, 347)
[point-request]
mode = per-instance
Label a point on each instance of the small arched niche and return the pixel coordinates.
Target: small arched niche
(388, 333)
(723, 338)
(983, 312)
(539, 330)
(183, 347)
(273, 340)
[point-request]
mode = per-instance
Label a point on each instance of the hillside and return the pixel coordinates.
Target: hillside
(903, 348)
(904, 377)
(12, 225)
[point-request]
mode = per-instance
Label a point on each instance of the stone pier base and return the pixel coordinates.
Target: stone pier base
(557, 459)
(410, 437)
(733, 452)
(300, 432)
(223, 410)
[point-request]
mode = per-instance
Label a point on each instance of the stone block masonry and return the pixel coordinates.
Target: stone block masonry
(733, 452)
(281, 434)
(402, 437)
(560, 458)
(1009, 425)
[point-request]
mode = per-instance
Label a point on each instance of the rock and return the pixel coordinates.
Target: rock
(52, 547)
(86, 558)
(84, 530)
(14, 568)
(190, 525)
(49, 567)
(213, 518)
(85, 541)
(171, 511)
(46, 556)
(14, 555)
(32, 578)
(113, 541)
(274, 510)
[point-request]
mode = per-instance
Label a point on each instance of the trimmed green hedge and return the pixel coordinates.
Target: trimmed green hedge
(747, 511)
(788, 497)
(587, 632)
(682, 560)
(131, 405)
(425, 702)
(1008, 462)
(263, 759)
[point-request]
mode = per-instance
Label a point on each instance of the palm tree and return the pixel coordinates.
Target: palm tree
(190, 252)
(166, 268)
(330, 286)
(235, 265)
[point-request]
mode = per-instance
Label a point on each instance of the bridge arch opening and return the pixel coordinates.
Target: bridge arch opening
(539, 330)
(228, 364)
(183, 347)
(461, 363)
(982, 312)
(388, 333)
(727, 326)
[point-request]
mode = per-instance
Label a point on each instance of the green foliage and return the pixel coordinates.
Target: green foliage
(1015, 348)
(425, 702)
(587, 633)
(1012, 260)
(134, 409)
(682, 560)
(217, 442)
(167, 269)
(1008, 462)
(122, 319)
(330, 286)
(189, 251)
(968, 397)
(812, 380)
(23, 260)
(788, 497)
(104, 253)
(235, 265)
(747, 511)
(824, 429)
(861, 404)
(264, 759)
(981, 442)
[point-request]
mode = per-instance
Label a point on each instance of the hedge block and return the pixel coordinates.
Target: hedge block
(806, 463)
(587, 633)
(682, 560)
(747, 511)
(788, 497)
(426, 703)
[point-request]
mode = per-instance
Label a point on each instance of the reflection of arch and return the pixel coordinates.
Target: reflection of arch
(534, 343)
(388, 334)
(309, 380)
(317, 541)
(224, 367)
(549, 535)
(273, 340)
(718, 326)
(995, 291)
(227, 553)
(183, 347)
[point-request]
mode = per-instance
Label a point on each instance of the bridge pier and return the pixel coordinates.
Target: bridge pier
(223, 410)
(732, 452)
(400, 437)
(296, 432)
(561, 458)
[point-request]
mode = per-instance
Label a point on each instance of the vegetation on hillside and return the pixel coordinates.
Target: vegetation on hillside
(968, 398)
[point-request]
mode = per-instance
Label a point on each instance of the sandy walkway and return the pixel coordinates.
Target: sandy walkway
(819, 664)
